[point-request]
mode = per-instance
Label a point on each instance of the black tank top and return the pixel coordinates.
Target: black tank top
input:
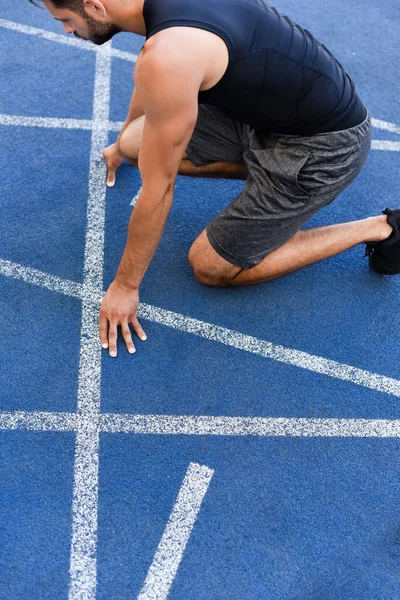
(279, 79)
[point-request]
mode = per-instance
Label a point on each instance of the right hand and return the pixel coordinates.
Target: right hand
(113, 158)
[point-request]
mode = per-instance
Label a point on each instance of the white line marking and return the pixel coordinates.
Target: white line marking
(266, 349)
(116, 125)
(35, 277)
(170, 550)
(248, 426)
(215, 333)
(385, 145)
(63, 39)
(47, 35)
(385, 125)
(38, 421)
(129, 56)
(201, 425)
(133, 203)
(55, 123)
(45, 122)
(85, 496)
(84, 124)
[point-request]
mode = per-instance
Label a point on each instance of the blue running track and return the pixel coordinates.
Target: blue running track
(250, 449)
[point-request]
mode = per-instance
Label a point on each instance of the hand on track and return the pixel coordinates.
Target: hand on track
(119, 307)
(113, 158)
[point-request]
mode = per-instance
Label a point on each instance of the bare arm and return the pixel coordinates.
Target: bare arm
(167, 85)
(169, 93)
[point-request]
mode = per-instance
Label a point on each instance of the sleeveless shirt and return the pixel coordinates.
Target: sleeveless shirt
(279, 79)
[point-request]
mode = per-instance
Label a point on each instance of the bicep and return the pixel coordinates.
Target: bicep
(168, 92)
(162, 147)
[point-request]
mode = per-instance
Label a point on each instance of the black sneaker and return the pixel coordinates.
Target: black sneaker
(384, 256)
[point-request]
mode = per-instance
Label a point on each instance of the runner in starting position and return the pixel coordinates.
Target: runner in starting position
(233, 89)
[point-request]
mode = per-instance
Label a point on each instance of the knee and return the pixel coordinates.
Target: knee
(128, 147)
(203, 272)
(129, 142)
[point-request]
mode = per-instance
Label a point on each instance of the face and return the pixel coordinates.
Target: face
(83, 26)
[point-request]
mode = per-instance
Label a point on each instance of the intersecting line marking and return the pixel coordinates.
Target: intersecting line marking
(88, 422)
(209, 331)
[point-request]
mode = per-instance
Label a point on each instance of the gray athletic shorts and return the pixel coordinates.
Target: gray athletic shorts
(290, 178)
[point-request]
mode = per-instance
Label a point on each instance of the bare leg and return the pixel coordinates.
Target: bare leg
(304, 248)
(312, 245)
(130, 147)
(216, 170)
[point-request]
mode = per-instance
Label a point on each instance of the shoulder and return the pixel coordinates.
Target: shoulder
(172, 53)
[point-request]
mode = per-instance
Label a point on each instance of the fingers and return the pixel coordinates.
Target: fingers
(126, 332)
(111, 176)
(138, 328)
(109, 336)
(113, 160)
(112, 338)
(103, 330)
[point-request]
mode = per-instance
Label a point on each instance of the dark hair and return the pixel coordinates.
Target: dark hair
(75, 5)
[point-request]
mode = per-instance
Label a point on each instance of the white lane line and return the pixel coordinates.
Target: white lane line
(170, 550)
(63, 39)
(297, 358)
(35, 277)
(38, 421)
(133, 203)
(202, 425)
(47, 35)
(86, 469)
(248, 426)
(385, 125)
(129, 56)
(115, 125)
(215, 333)
(84, 124)
(45, 122)
(385, 145)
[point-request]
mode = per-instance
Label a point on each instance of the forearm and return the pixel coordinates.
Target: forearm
(145, 229)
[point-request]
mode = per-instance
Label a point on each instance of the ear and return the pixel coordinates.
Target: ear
(95, 9)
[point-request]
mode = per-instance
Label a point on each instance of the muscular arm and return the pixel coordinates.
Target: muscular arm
(167, 81)
(167, 85)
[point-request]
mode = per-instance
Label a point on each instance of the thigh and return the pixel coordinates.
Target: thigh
(216, 138)
(290, 179)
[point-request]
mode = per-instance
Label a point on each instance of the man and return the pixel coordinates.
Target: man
(232, 88)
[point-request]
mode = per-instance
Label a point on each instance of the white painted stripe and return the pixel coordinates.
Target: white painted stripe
(201, 425)
(45, 122)
(38, 421)
(248, 426)
(47, 35)
(170, 550)
(129, 56)
(55, 123)
(297, 358)
(116, 125)
(133, 203)
(63, 39)
(35, 277)
(83, 124)
(240, 341)
(385, 145)
(85, 496)
(385, 125)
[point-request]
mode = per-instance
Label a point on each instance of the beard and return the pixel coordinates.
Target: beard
(98, 32)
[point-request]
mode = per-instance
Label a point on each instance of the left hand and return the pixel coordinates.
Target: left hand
(119, 307)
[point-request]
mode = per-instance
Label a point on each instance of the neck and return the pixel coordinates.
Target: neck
(130, 17)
